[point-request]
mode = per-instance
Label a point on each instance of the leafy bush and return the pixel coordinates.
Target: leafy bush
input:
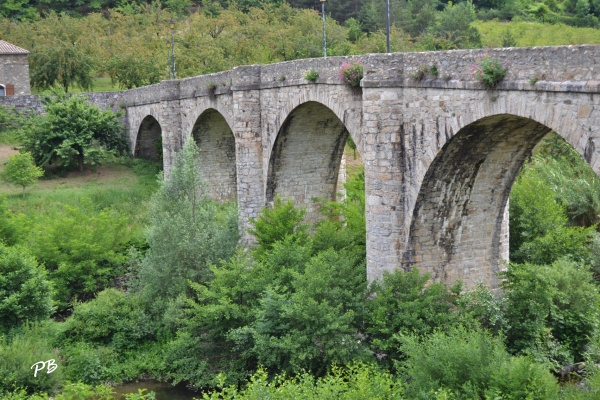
(351, 73)
(276, 224)
(9, 224)
(359, 381)
(25, 293)
(488, 71)
(19, 352)
(314, 322)
(83, 248)
(298, 304)
(401, 303)
(82, 362)
(113, 317)
(471, 365)
(552, 311)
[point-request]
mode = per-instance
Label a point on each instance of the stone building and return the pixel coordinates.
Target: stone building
(14, 70)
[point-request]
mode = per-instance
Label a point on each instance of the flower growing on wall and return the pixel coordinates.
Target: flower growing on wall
(351, 72)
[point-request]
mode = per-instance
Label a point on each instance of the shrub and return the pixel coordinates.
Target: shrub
(311, 75)
(359, 381)
(84, 249)
(28, 346)
(314, 322)
(86, 364)
(276, 224)
(540, 231)
(351, 73)
(552, 311)
(471, 365)
(73, 132)
(10, 225)
(25, 293)
(113, 317)
(488, 71)
(401, 303)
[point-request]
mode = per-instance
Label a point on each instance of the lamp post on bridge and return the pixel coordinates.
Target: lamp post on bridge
(324, 31)
(387, 26)
(172, 70)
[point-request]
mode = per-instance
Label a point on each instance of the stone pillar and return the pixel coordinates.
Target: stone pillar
(170, 121)
(384, 190)
(340, 189)
(247, 128)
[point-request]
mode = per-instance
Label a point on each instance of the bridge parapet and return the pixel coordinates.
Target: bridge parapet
(560, 68)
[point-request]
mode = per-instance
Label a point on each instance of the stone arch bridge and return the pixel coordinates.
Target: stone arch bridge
(440, 153)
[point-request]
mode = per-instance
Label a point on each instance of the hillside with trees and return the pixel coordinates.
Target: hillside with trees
(73, 43)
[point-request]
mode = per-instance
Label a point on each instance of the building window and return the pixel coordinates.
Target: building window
(7, 90)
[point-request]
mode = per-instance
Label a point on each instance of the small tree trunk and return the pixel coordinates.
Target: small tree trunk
(23, 191)
(80, 162)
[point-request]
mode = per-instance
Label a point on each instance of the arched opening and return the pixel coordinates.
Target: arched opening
(216, 142)
(459, 227)
(149, 140)
(2, 91)
(305, 160)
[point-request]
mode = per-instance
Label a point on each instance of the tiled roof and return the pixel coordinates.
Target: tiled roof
(7, 48)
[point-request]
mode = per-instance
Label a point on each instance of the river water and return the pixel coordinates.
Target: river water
(164, 391)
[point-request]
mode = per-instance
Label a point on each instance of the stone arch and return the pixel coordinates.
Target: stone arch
(459, 225)
(214, 137)
(304, 163)
(345, 103)
(148, 143)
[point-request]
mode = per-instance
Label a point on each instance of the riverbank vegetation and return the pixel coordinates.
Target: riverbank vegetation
(168, 295)
(118, 275)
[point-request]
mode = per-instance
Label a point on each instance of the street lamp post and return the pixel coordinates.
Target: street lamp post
(324, 31)
(172, 70)
(387, 26)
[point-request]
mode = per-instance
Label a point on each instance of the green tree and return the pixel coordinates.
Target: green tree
(25, 292)
(131, 71)
(454, 25)
(187, 233)
(20, 170)
(64, 64)
(74, 132)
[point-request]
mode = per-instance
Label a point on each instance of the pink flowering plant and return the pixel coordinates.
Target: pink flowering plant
(488, 71)
(351, 72)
